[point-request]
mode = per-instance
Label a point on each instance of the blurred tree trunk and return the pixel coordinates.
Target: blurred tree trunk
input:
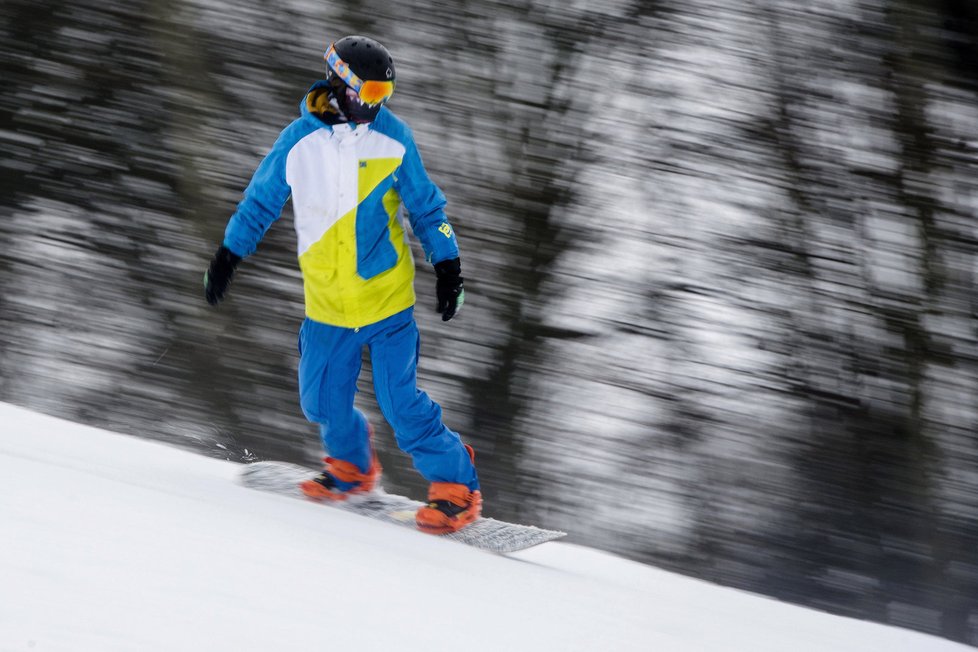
(546, 139)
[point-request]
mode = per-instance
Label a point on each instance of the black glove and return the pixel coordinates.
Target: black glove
(451, 294)
(217, 278)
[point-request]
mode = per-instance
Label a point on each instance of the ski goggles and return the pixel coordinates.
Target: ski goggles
(371, 91)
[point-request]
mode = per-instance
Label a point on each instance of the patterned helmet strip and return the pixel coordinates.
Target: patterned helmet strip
(372, 92)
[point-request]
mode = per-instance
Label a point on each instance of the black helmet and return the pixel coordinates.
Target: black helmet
(365, 66)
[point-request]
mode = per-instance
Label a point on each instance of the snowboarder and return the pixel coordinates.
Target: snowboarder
(350, 165)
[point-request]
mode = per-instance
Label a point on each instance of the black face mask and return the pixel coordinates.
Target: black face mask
(349, 102)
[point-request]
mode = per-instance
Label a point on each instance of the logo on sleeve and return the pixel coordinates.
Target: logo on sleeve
(445, 229)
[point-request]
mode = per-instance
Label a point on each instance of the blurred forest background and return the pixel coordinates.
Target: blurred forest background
(720, 262)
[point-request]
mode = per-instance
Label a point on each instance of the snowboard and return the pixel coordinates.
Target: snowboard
(485, 533)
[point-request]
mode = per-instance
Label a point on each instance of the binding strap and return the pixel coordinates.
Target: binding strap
(345, 471)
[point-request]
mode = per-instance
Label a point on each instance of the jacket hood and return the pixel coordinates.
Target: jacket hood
(316, 104)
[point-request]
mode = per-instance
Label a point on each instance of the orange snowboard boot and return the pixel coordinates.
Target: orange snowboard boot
(341, 479)
(451, 506)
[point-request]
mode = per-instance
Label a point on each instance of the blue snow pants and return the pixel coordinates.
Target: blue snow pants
(329, 365)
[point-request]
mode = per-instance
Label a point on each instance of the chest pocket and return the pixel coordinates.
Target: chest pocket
(376, 211)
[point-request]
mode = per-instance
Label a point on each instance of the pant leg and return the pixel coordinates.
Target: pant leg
(437, 452)
(329, 365)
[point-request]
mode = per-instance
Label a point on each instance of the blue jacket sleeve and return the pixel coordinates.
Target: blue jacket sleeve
(263, 198)
(425, 205)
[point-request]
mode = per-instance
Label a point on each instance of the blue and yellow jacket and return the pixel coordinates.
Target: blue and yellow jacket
(348, 185)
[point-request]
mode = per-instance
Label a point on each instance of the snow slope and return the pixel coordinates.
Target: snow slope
(112, 543)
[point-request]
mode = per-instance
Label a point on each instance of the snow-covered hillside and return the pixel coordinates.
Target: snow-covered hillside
(113, 543)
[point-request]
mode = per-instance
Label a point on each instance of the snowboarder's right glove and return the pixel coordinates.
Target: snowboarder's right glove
(217, 278)
(451, 294)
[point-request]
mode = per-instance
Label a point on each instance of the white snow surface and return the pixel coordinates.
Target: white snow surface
(109, 542)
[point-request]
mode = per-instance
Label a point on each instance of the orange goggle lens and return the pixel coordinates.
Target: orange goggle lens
(370, 91)
(376, 92)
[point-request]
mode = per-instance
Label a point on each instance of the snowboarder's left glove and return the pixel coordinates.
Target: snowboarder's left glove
(451, 294)
(217, 278)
